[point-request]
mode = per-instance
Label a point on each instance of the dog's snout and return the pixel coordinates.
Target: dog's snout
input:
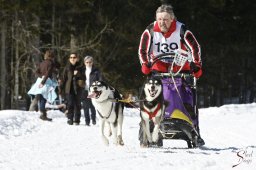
(153, 87)
(95, 88)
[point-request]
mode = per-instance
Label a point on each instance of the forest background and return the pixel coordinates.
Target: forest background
(110, 31)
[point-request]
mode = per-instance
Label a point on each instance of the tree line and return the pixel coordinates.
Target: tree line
(110, 31)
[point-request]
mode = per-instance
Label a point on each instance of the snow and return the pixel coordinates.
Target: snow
(27, 143)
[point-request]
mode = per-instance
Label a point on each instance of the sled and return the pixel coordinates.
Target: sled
(180, 120)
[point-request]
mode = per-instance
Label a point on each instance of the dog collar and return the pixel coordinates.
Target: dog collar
(152, 114)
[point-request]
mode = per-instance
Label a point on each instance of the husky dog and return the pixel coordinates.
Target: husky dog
(105, 100)
(152, 109)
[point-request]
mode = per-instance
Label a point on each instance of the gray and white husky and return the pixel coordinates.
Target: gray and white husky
(105, 100)
(151, 110)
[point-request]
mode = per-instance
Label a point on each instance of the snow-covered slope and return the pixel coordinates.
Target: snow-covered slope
(27, 143)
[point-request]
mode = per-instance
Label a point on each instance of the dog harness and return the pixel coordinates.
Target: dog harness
(152, 114)
(112, 105)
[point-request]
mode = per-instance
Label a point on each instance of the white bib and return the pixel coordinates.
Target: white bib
(162, 45)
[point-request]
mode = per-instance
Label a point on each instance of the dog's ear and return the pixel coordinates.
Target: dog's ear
(117, 95)
(111, 88)
(107, 85)
(158, 79)
(103, 83)
(147, 80)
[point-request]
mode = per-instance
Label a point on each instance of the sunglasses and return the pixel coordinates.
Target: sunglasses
(72, 57)
(88, 62)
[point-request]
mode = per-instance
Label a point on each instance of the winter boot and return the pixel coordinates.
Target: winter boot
(70, 121)
(43, 116)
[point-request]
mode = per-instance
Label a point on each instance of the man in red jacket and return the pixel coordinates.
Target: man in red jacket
(166, 35)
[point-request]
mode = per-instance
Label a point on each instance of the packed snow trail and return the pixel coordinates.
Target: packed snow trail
(28, 143)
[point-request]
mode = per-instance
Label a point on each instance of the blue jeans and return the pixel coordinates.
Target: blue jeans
(42, 102)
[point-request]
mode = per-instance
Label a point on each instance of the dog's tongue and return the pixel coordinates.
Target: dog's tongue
(92, 95)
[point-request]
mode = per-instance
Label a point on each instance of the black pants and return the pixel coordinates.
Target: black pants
(87, 106)
(74, 107)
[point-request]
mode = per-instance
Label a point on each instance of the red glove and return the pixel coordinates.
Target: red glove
(145, 69)
(198, 74)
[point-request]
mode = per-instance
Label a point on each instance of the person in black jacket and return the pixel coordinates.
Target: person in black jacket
(91, 74)
(72, 86)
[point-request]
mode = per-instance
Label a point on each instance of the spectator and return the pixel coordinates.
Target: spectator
(91, 74)
(35, 98)
(72, 85)
(44, 88)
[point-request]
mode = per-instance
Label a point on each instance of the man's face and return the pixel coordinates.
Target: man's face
(164, 21)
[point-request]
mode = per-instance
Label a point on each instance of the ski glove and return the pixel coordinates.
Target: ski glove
(145, 69)
(194, 68)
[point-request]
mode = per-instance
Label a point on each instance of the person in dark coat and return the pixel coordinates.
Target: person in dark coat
(72, 86)
(91, 74)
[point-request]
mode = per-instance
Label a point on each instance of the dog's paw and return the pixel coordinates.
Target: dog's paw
(120, 140)
(150, 139)
(144, 145)
(155, 137)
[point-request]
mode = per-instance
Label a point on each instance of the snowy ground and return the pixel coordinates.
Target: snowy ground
(27, 143)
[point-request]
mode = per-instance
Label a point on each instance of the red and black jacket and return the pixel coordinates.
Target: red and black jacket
(187, 42)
